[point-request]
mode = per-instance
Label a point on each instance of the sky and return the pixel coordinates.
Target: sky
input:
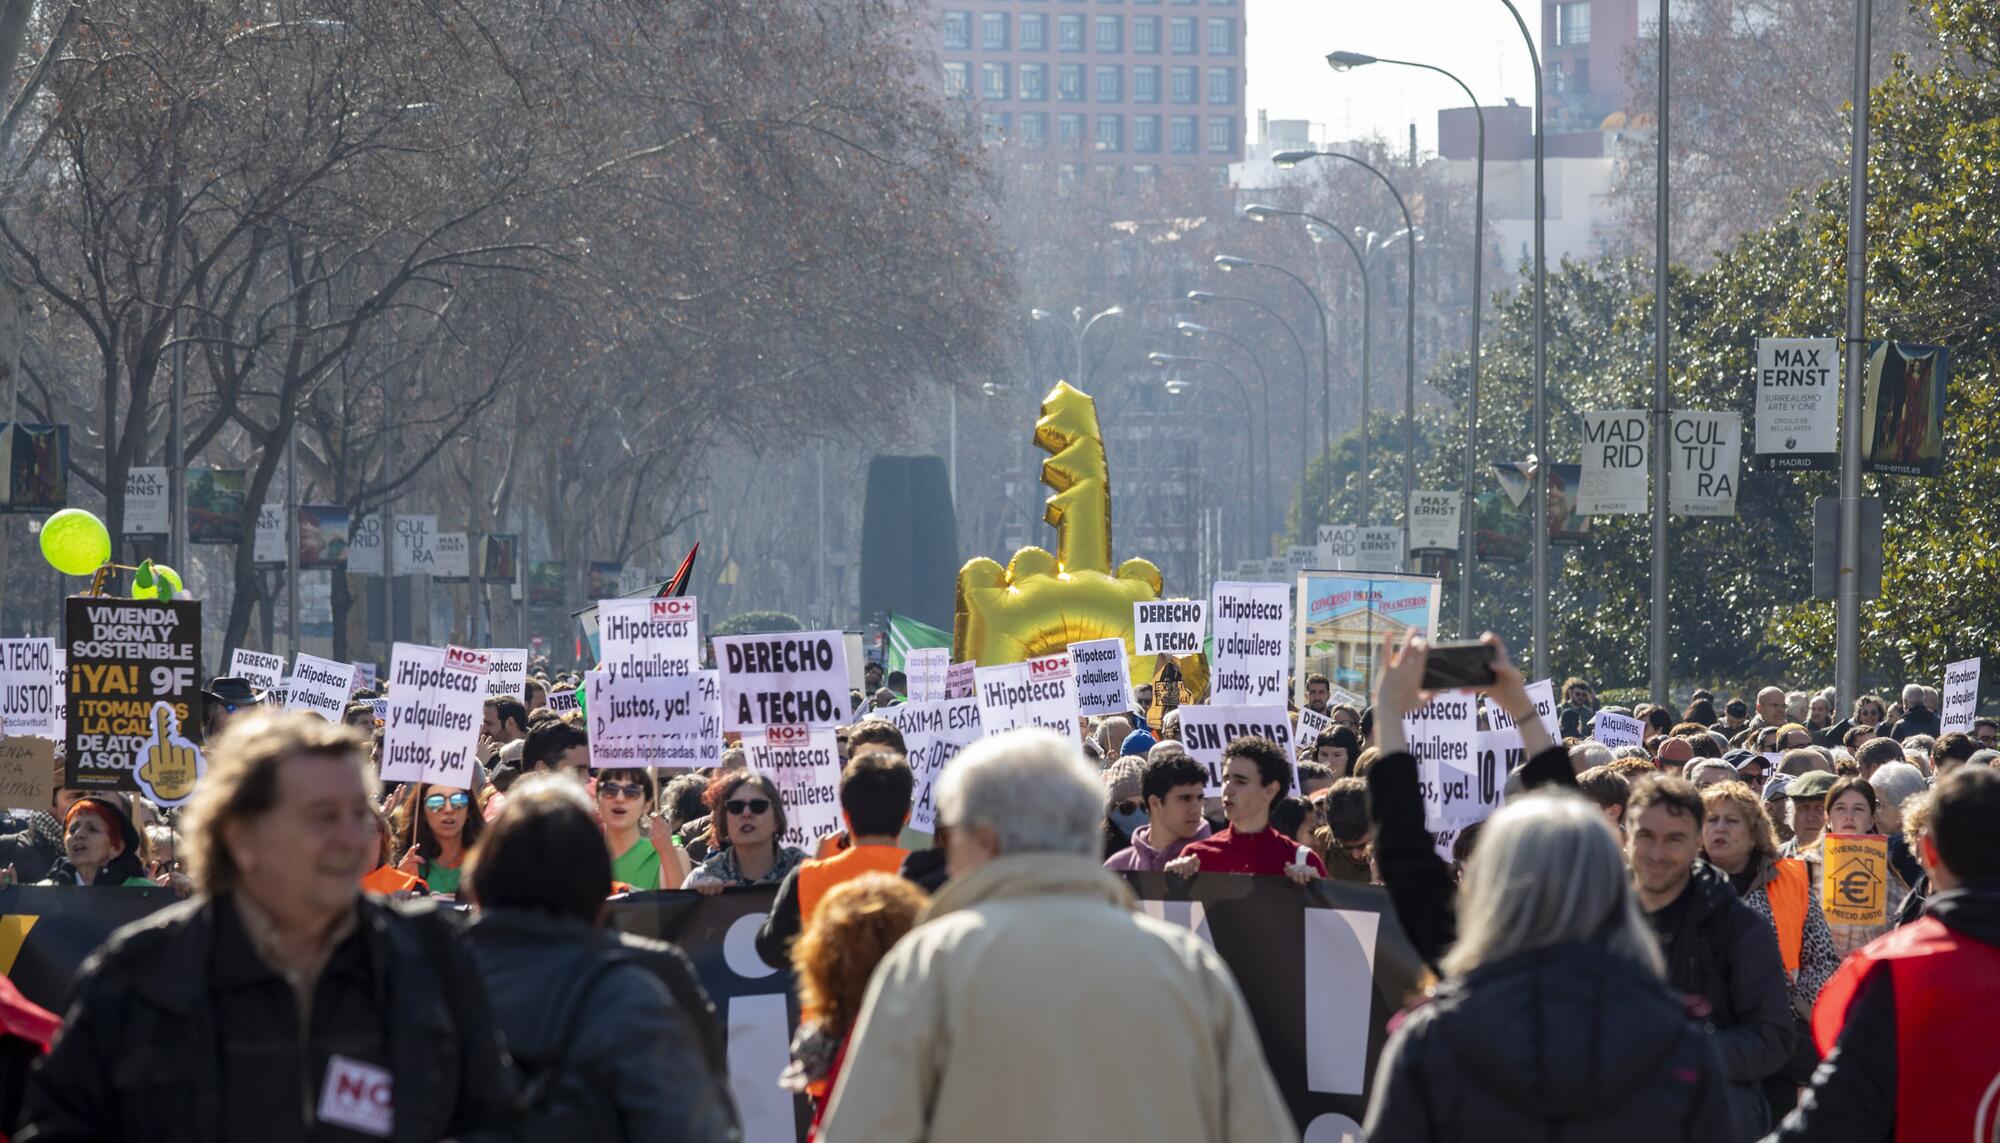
(1286, 42)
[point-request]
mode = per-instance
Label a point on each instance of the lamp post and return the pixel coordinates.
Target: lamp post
(1345, 61)
(1190, 329)
(1847, 608)
(1078, 329)
(1662, 399)
(1175, 387)
(1228, 263)
(1204, 297)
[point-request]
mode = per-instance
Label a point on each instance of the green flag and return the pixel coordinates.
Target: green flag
(906, 634)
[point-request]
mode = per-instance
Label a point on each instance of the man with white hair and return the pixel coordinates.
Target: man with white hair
(1034, 999)
(1919, 715)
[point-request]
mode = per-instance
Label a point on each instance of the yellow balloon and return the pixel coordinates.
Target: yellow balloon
(75, 542)
(161, 573)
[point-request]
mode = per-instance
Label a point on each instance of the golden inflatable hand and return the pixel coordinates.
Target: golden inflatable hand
(1040, 603)
(169, 765)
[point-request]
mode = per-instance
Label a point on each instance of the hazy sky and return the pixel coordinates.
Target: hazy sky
(1287, 75)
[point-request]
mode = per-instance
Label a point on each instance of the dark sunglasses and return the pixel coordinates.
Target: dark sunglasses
(159, 867)
(457, 801)
(753, 806)
(632, 790)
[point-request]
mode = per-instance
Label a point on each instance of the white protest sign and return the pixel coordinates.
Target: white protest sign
(1614, 464)
(1339, 546)
(29, 700)
(804, 763)
(62, 695)
(1253, 630)
(1442, 736)
(960, 680)
(1615, 730)
(785, 678)
(146, 502)
(364, 546)
(1798, 402)
(454, 556)
(320, 685)
(431, 727)
(926, 669)
(562, 700)
(506, 671)
(1101, 686)
(264, 671)
(413, 549)
(933, 734)
(1039, 692)
(1434, 521)
(1169, 626)
(1702, 463)
(1207, 730)
(1381, 550)
(649, 638)
(1543, 695)
(1498, 753)
(1312, 724)
(269, 545)
(1958, 702)
(667, 723)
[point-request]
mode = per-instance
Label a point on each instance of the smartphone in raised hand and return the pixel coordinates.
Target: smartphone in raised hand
(1458, 666)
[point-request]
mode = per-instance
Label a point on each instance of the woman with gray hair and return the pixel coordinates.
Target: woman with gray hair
(1552, 952)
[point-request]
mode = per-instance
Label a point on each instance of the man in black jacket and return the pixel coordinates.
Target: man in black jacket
(1918, 717)
(279, 1003)
(1720, 954)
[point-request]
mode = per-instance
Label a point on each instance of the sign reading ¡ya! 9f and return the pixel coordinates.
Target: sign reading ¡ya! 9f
(125, 657)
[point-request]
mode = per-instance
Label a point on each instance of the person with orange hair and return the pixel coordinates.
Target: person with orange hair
(100, 845)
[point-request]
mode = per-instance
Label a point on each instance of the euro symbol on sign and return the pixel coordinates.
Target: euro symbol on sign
(1857, 888)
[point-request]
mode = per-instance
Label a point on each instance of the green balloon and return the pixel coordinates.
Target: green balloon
(75, 542)
(166, 583)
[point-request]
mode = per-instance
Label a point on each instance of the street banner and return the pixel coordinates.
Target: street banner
(1312, 724)
(413, 547)
(1614, 463)
(364, 547)
(1443, 737)
(215, 499)
(1101, 687)
(130, 663)
(1277, 569)
(1615, 730)
(1958, 702)
(1339, 546)
(506, 671)
(927, 668)
(323, 536)
(933, 734)
(1169, 626)
(27, 770)
(1702, 463)
(804, 762)
(454, 558)
(1299, 557)
(34, 468)
(148, 508)
(1343, 616)
(28, 696)
(1038, 692)
(321, 686)
(1253, 634)
(1207, 730)
(1902, 413)
(784, 678)
(648, 638)
(673, 723)
(1798, 403)
(497, 559)
(961, 680)
(547, 583)
(264, 671)
(1381, 549)
(1854, 886)
(436, 701)
(1434, 522)
(270, 547)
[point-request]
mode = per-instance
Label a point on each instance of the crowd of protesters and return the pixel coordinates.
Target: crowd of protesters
(1633, 946)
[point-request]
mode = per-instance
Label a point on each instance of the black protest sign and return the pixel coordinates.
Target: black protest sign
(127, 656)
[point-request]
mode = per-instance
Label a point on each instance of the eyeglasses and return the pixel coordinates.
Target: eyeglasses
(1127, 807)
(753, 806)
(632, 790)
(171, 865)
(457, 801)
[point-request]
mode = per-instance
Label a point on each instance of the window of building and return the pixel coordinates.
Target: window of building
(957, 77)
(1034, 128)
(1069, 33)
(1182, 32)
(1146, 34)
(958, 29)
(1069, 129)
(993, 81)
(1221, 134)
(1034, 32)
(1573, 23)
(1110, 84)
(993, 31)
(1183, 81)
(1222, 37)
(993, 125)
(1146, 84)
(1111, 33)
(1110, 133)
(1034, 81)
(1222, 85)
(1146, 134)
(1180, 138)
(1069, 83)
(1569, 77)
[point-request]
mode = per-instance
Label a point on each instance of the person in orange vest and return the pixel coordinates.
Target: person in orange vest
(875, 791)
(1907, 1021)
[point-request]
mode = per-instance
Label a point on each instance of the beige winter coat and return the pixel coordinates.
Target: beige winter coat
(1035, 1004)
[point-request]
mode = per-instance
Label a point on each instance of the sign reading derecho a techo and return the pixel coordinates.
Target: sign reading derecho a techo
(791, 678)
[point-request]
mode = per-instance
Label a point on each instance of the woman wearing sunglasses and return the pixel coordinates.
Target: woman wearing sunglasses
(437, 837)
(745, 822)
(643, 853)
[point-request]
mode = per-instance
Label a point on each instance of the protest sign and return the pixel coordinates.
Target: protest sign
(1443, 737)
(786, 678)
(1208, 729)
(270, 546)
(1101, 686)
(1169, 626)
(1434, 522)
(1498, 752)
(804, 763)
(1902, 411)
(1381, 550)
(1615, 730)
(648, 638)
(264, 671)
(436, 702)
(960, 680)
(413, 547)
(1253, 632)
(1854, 886)
(673, 723)
(61, 696)
(127, 660)
(1798, 403)
(1614, 463)
(27, 769)
(1702, 463)
(562, 700)
(933, 734)
(927, 668)
(364, 676)
(1339, 546)
(506, 671)
(1312, 724)
(454, 558)
(1543, 695)
(28, 698)
(364, 547)
(147, 506)
(1343, 617)
(1038, 692)
(1958, 702)
(321, 686)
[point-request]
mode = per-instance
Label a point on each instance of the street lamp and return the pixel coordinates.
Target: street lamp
(1078, 329)
(1206, 297)
(1229, 263)
(1346, 61)
(1176, 385)
(1190, 330)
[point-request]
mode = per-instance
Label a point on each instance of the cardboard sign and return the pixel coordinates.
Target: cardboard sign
(1169, 626)
(436, 706)
(271, 546)
(1958, 701)
(1702, 460)
(506, 671)
(1434, 522)
(169, 765)
(668, 723)
(321, 686)
(1101, 686)
(786, 678)
(804, 763)
(1253, 631)
(649, 638)
(1040, 692)
(933, 734)
(263, 671)
(148, 511)
(1615, 730)
(126, 657)
(1207, 730)
(927, 669)
(1443, 736)
(364, 547)
(413, 549)
(27, 771)
(1798, 403)
(1614, 463)
(1854, 889)
(28, 699)
(454, 557)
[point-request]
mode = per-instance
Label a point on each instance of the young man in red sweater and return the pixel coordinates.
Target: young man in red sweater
(1255, 773)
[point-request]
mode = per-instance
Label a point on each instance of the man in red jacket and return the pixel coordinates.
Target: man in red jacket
(1907, 1022)
(1255, 773)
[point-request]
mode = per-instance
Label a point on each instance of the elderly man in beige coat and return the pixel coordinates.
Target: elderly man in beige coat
(1034, 1003)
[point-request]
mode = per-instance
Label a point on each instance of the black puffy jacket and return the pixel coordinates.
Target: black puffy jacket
(1568, 1042)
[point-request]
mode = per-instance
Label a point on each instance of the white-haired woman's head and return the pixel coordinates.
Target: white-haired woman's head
(1023, 791)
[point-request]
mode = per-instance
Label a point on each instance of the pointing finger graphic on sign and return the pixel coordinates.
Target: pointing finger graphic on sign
(169, 765)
